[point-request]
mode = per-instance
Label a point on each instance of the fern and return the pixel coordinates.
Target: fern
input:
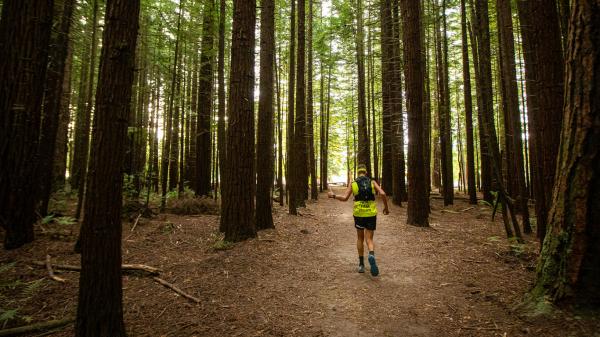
(31, 287)
(6, 267)
(65, 220)
(7, 315)
(47, 219)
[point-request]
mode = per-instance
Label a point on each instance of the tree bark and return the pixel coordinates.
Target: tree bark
(237, 208)
(290, 169)
(265, 162)
(513, 115)
(52, 103)
(544, 72)
(24, 38)
(300, 155)
(569, 266)
(205, 86)
(364, 153)
(387, 69)
(100, 309)
(312, 166)
(472, 189)
(418, 199)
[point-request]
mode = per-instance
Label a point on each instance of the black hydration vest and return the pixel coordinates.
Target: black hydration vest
(365, 189)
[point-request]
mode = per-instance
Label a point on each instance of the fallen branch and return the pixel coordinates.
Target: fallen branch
(467, 209)
(51, 272)
(175, 289)
(36, 327)
(479, 328)
(126, 267)
(450, 211)
(136, 221)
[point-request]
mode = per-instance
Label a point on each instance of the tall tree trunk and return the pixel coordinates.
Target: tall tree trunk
(398, 157)
(300, 156)
(64, 118)
(544, 70)
(24, 38)
(387, 79)
(513, 115)
(472, 189)
(487, 116)
(100, 308)
(203, 132)
(52, 99)
(221, 136)
(264, 148)
(82, 140)
(364, 153)
(290, 169)
(569, 266)
(484, 97)
(237, 207)
(418, 199)
(314, 192)
(445, 135)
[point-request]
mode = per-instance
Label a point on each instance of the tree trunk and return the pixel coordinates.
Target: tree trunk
(264, 148)
(24, 37)
(544, 70)
(312, 167)
(486, 167)
(64, 118)
(221, 136)
(472, 189)
(82, 139)
(300, 155)
(52, 102)
(203, 132)
(387, 69)
(398, 156)
(513, 115)
(100, 308)
(364, 153)
(290, 171)
(569, 266)
(418, 199)
(237, 207)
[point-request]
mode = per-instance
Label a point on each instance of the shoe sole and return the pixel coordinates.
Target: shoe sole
(374, 269)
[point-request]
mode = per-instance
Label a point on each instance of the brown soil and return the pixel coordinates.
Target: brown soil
(460, 277)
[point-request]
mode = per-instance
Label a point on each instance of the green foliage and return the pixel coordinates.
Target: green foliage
(18, 293)
(65, 220)
(223, 245)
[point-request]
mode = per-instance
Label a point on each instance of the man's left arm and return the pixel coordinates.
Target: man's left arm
(381, 192)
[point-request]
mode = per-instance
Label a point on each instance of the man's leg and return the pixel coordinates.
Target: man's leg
(371, 247)
(369, 240)
(360, 237)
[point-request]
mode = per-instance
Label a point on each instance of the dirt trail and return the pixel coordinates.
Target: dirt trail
(457, 278)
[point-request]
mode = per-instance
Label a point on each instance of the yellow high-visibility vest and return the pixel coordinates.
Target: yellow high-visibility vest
(363, 209)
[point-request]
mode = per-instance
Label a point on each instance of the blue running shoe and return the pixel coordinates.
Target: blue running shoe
(374, 269)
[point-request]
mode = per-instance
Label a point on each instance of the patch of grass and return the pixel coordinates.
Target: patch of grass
(223, 245)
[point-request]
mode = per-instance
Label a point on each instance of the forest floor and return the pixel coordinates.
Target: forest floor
(460, 277)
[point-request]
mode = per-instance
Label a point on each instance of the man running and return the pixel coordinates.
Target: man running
(365, 214)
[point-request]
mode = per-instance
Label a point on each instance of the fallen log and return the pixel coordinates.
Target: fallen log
(37, 327)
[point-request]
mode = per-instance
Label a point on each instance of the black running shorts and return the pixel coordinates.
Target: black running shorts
(369, 223)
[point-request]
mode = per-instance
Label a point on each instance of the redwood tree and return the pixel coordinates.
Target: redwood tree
(418, 199)
(265, 161)
(100, 308)
(205, 86)
(569, 267)
(237, 207)
(544, 68)
(24, 37)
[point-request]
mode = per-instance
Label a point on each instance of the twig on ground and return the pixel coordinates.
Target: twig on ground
(51, 272)
(467, 209)
(450, 211)
(126, 267)
(479, 328)
(175, 289)
(136, 221)
(36, 327)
